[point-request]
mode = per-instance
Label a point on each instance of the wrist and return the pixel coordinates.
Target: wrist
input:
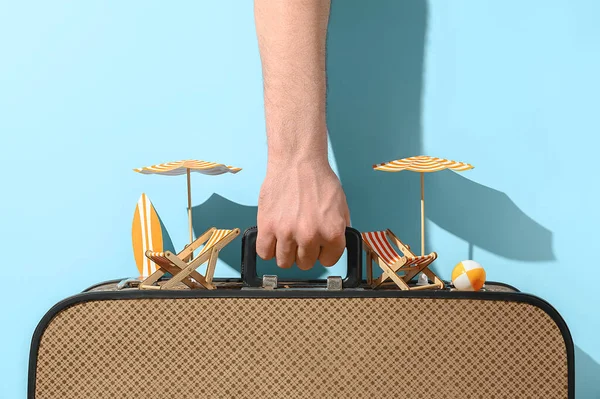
(295, 158)
(296, 143)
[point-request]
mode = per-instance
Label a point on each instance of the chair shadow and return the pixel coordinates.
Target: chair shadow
(587, 371)
(375, 64)
(222, 213)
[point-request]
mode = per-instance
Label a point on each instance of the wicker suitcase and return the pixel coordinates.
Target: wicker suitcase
(309, 340)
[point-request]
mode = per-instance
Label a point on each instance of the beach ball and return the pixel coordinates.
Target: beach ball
(468, 275)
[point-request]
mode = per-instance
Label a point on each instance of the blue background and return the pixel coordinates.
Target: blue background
(90, 90)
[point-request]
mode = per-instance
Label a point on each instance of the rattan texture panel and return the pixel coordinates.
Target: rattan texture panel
(301, 348)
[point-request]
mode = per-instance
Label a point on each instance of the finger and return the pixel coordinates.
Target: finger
(332, 250)
(307, 256)
(265, 245)
(285, 252)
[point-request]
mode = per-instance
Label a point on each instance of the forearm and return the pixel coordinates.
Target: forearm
(291, 37)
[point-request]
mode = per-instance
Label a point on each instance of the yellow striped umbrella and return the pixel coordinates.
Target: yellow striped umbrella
(422, 164)
(186, 167)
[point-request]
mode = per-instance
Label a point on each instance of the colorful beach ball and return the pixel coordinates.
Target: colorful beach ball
(468, 275)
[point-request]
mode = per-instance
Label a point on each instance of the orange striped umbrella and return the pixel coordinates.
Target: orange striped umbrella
(186, 167)
(422, 164)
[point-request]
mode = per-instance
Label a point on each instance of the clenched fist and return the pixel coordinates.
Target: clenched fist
(302, 210)
(302, 215)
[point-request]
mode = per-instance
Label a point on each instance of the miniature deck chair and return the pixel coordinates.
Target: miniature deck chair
(183, 268)
(380, 250)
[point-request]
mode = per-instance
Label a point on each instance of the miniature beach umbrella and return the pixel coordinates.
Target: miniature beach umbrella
(186, 167)
(422, 164)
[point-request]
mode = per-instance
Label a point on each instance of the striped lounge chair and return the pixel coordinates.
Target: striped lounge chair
(183, 265)
(400, 268)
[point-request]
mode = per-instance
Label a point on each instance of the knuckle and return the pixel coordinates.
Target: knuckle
(307, 238)
(284, 232)
(264, 225)
(333, 232)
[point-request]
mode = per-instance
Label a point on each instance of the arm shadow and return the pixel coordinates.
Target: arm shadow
(375, 64)
(375, 85)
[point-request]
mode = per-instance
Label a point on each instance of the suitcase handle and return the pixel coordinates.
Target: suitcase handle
(353, 253)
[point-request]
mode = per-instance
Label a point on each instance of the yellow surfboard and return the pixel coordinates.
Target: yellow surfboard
(146, 234)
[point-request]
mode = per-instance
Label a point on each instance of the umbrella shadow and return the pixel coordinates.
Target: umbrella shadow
(485, 218)
(167, 242)
(375, 76)
(375, 64)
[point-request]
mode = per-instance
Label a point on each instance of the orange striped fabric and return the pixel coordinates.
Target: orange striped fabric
(181, 167)
(419, 260)
(216, 236)
(379, 243)
(159, 258)
(422, 163)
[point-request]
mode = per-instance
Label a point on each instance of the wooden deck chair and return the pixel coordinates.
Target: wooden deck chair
(407, 264)
(183, 268)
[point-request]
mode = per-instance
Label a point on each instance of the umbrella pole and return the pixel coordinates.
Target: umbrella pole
(422, 213)
(189, 194)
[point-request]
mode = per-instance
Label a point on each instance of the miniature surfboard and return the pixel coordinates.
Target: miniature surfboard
(146, 234)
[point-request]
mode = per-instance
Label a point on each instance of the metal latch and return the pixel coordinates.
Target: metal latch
(334, 283)
(269, 282)
(128, 283)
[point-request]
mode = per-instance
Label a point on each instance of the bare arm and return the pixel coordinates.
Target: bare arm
(302, 210)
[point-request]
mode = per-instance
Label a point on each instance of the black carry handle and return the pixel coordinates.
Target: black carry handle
(353, 252)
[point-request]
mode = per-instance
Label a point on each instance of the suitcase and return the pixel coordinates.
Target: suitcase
(314, 339)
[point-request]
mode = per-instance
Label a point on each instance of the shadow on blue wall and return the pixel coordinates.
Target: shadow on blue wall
(485, 218)
(223, 213)
(587, 373)
(375, 94)
(375, 83)
(167, 242)
(375, 66)
(375, 59)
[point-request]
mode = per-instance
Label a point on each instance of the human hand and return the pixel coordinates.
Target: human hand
(302, 214)
(302, 210)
